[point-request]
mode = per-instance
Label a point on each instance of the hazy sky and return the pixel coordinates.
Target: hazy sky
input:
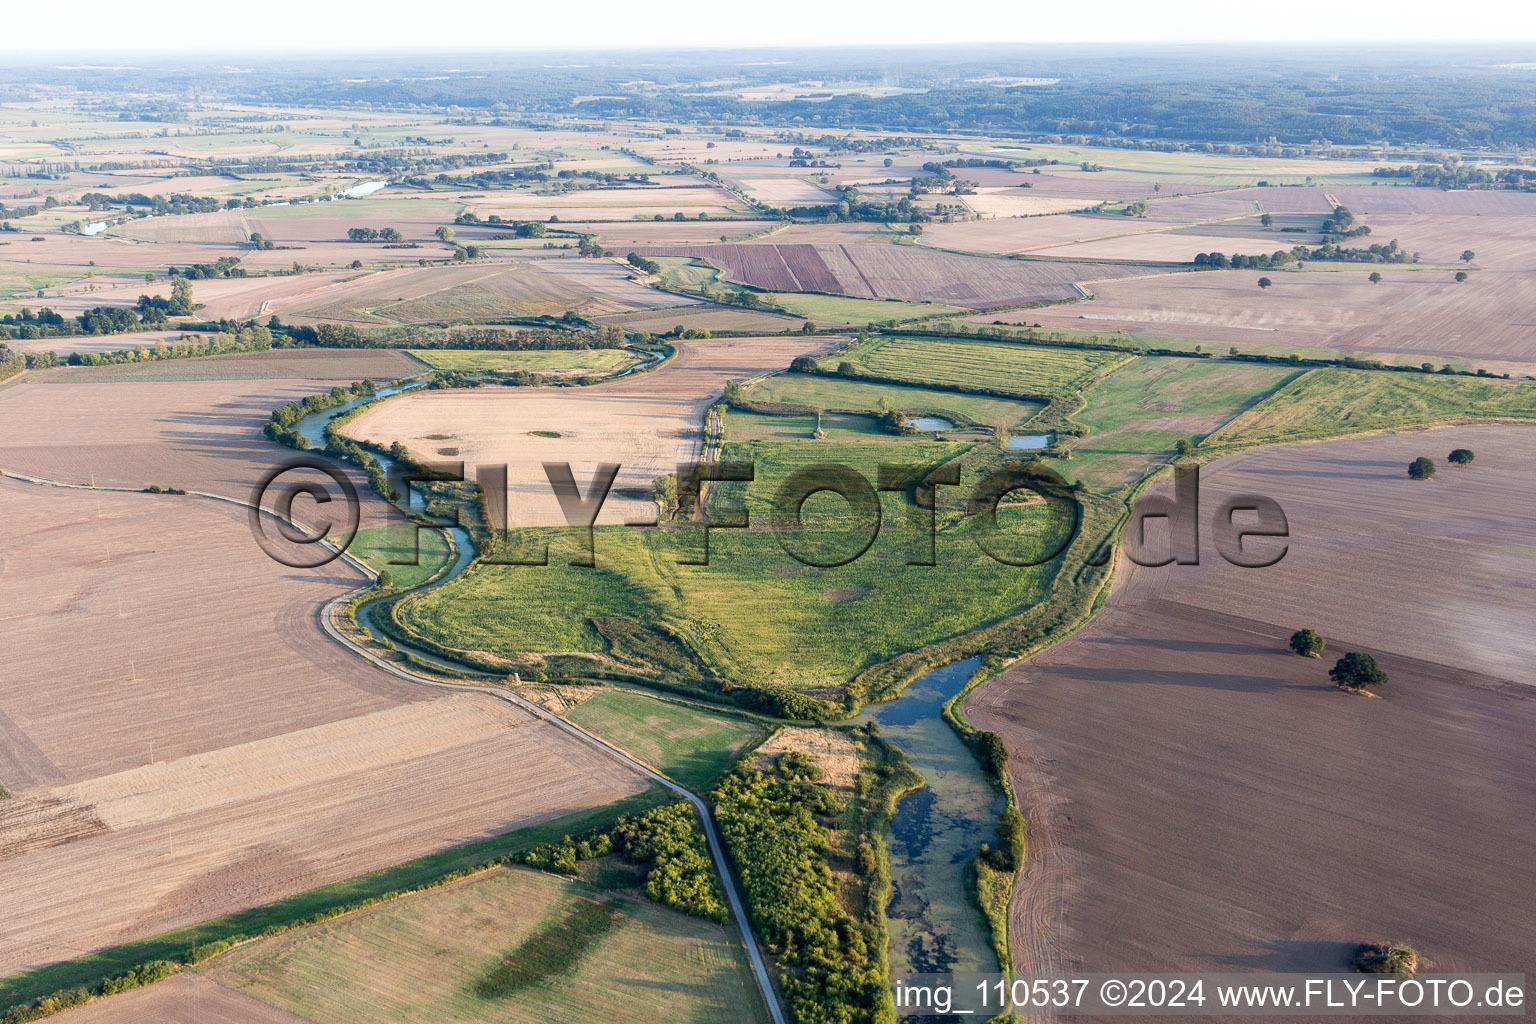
(499, 24)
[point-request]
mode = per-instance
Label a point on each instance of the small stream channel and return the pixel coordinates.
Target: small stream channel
(935, 926)
(312, 427)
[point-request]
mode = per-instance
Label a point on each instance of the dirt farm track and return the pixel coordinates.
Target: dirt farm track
(1201, 799)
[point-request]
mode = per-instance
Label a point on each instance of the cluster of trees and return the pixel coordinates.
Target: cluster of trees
(851, 206)
(1452, 173)
(253, 338)
(224, 266)
(1389, 252)
(669, 839)
(775, 831)
(178, 202)
(11, 362)
(280, 426)
(645, 266)
(159, 307)
(331, 335)
(374, 235)
(520, 228)
(1354, 671)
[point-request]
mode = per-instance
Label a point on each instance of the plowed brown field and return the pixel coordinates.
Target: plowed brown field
(1200, 799)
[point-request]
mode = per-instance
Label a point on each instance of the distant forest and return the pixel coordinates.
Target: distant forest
(1458, 96)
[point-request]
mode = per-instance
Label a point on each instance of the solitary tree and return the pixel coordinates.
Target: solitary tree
(1461, 275)
(1267, 219)
(1184, 446)
(386, 581)
(1386, 958)
(1421, 469)
(1461, 457)
(1356, 671)
(1375, 278)
(444, 233)
(1308, 643)
(1265, 282)
(1467, 255)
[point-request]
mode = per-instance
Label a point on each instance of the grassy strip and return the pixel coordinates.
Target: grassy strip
(48, 990)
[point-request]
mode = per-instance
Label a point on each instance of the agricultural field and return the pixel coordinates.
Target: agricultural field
(156, 782)
(1027, 371)
(648, 423)
(706, 317)
(479, 293)
(903, 273)
(1181, 693)
(424, 958)
(549, 362)
(1420, 312)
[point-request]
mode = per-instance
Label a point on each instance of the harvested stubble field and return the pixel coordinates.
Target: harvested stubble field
(664, 232)
(184, 999)
(157, 782)
(550, 362)
(1178, 247)
(1364, 200)
(1031, 234)
(289, 364)
(200, 435)
(1019, 369)
(420, 958)
(475, 293)
(707, 316)
(622, 204)
(239, 298)
(416, 217)
(1020, 202)
(1201, 799)
(907, 273)
(648, 423)
(1501, 243)
(1410, 311)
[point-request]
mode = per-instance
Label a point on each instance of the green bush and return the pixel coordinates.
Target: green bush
(669, 839)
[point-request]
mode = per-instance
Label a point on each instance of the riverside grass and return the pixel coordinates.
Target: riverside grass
(1330, 401)
(736, 610)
